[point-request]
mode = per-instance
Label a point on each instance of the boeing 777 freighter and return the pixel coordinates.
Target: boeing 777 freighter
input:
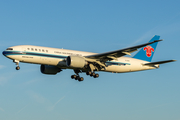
(53, 60)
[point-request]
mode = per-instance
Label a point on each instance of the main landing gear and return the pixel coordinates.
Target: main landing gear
(92, 74)
(17, 63)
(77, 77)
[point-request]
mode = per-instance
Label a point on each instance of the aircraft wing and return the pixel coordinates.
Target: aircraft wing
(113, 55)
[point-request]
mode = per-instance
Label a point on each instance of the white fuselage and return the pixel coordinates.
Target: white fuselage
(57, 57)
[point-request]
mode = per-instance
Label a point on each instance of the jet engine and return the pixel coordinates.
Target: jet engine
(50, 70)
(75, 61)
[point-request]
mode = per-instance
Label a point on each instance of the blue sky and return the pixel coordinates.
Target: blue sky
(95, 26)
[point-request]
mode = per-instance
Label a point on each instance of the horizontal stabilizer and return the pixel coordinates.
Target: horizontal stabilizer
(159, 62)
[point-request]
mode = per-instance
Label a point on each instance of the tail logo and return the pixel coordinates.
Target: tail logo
(148, 50)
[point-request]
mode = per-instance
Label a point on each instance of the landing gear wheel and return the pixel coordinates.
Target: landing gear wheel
(73, 76)
(80, 79)
(77, 78)
(17, 68)
(92, 74)
(96, 76)
(88, 73)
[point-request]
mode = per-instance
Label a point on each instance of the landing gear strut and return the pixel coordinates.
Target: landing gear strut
(77, 77)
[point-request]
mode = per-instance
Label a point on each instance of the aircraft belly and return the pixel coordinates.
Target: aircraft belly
(39, 60)
(49, 61)
(127, 68)
(111, 68)
(121, 69)
(14, 57)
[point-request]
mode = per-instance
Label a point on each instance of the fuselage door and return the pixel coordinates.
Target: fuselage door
(23, 50)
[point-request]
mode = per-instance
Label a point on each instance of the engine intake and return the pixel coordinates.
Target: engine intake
(50, 70)
(76, 61)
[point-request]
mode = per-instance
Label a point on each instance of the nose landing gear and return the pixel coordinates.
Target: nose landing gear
(17, 68)
(17, 63)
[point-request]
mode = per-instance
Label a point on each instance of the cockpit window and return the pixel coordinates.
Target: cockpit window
(9, 49)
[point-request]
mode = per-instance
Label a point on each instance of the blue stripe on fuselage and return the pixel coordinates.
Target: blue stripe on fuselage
(116, 63)
(8, 53)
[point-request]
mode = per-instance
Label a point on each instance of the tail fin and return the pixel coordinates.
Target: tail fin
(146, 53)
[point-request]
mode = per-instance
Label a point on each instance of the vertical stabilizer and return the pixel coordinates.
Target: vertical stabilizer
(147, 52)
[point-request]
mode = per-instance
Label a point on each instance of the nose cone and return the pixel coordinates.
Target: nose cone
(4, 53)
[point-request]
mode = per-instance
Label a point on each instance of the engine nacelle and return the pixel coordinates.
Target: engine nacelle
(50, 70)
(75, 61)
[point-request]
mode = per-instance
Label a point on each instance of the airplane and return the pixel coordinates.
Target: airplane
(54, 60)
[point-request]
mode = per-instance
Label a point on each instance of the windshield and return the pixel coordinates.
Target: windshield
(9, 49)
